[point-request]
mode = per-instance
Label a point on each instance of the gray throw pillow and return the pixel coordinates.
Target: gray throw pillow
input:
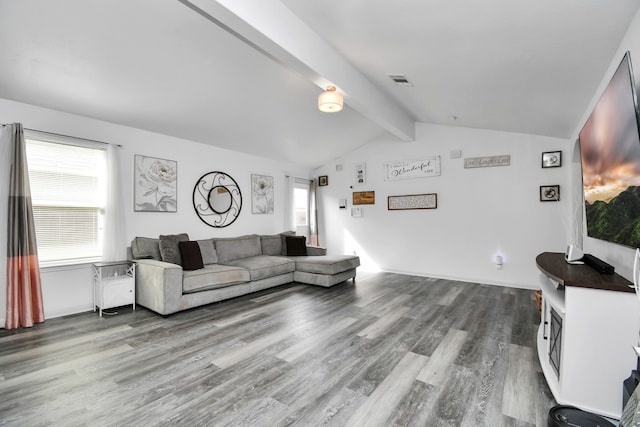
(169, 249)
(208, 251)
(145, 248)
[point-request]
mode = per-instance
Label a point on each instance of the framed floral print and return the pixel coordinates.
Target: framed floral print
(261, 194)
(155, 184)
(552, 159)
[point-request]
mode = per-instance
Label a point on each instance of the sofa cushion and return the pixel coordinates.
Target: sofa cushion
(208, 251)
(263, 266)
(328, 264)
(296, 245)
(271, 245)
(145, 248)
(190, 255)
(169, 249)
(230, 249)
(213, 276)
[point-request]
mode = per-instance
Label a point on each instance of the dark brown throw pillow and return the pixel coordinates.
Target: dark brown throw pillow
(191, 255)
(296, 245)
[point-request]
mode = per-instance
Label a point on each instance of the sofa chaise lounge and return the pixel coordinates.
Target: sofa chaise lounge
(174, 273)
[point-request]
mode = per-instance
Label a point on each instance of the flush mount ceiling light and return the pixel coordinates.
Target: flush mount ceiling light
(330, 101)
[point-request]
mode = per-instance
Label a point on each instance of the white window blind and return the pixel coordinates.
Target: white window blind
(68, 184)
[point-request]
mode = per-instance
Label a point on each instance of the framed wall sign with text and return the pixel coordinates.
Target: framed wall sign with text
(412, 201)
(364, 198)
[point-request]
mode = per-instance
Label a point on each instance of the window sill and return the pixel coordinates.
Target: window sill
(68, 264)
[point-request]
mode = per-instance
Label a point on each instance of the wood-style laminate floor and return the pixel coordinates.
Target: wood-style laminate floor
(390, 350)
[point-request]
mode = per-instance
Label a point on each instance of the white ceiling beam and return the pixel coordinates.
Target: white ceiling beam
(270, 27)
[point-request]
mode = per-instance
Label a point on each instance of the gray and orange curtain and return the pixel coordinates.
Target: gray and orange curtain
(313, 213)
(24, 291)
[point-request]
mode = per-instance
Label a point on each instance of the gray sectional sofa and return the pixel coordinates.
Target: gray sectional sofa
(174, 273)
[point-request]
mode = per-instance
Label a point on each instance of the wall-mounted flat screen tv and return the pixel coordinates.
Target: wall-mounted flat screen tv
(610, 154)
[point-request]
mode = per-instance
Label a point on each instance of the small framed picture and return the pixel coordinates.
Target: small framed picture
(361, 173)
(552, 159)
(549, 193)
(323, 180)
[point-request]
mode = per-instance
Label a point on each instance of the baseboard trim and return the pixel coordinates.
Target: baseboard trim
(67, 311)
(527, 286)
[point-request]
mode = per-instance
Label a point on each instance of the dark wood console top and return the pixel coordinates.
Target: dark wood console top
(582, 276)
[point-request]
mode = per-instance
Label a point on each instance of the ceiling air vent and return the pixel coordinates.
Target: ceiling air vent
(400, 80)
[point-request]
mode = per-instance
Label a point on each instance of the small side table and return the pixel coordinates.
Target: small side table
(114, 284)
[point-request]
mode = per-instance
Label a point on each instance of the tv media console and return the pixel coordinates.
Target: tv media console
(589, 325)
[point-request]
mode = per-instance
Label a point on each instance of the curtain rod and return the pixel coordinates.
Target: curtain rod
(67, 136)
(297, 177)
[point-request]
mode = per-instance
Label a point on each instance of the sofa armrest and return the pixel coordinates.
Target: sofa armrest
(316, 251)
(158, 285)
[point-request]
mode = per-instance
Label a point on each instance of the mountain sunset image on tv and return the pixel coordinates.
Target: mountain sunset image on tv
(610, 154)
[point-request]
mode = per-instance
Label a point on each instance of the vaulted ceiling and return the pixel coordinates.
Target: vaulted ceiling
(245, 75)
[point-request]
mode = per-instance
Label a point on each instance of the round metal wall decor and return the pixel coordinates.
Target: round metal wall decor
(217, 199)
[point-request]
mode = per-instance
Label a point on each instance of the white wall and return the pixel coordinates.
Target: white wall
(481, 213)
(619, 256)
(67, 290)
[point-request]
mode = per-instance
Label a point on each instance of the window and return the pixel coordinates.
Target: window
(68, 193)
(301, 206)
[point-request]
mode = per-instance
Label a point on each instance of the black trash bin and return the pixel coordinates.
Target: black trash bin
(566, 416)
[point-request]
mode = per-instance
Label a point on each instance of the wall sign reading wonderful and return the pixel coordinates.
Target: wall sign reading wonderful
(408, 169)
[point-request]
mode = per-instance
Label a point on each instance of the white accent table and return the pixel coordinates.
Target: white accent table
(114, 284)
(589, 325)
